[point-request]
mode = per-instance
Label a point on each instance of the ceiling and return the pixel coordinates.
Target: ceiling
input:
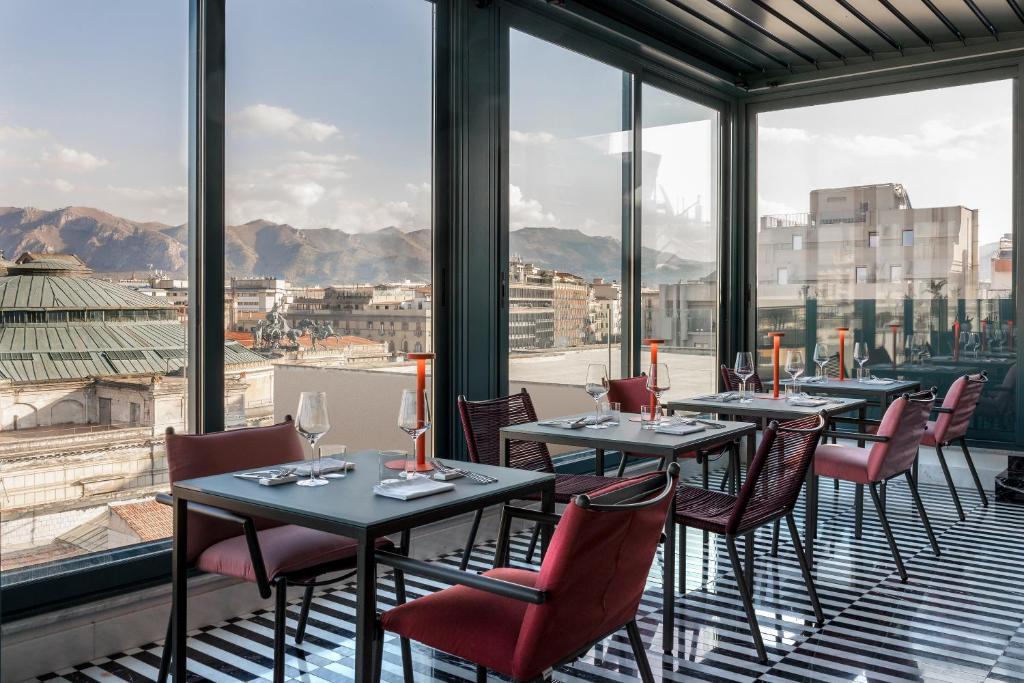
(758, 42)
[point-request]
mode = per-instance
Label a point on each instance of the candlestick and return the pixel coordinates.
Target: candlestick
(776, 346)
(894, 327)
(421, 389)
(956, 340)
(842, 352)
(653, 343)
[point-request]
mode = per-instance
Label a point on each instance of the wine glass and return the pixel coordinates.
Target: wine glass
(821, 359)
(794, 368)
(312, 423)
(744, 368)
(412, 422)
(597, 386)
(658, 383)
(974, 343)
(860, 354)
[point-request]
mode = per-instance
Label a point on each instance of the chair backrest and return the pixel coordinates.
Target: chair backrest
(904, 423)
(202, 455)
(595, 569)
(777, 472)
(482, 422)
(731, 381)
(962, 398)
(630, 392)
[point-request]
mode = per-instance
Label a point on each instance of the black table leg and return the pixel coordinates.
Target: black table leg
(179, 578)
(668, 583)
(366, 608)
(751, 452)
(599, 462)
(547, 504)
(862, 414)
(506, 453)
(811, 517)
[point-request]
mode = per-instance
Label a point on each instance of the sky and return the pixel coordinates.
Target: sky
(329, 120)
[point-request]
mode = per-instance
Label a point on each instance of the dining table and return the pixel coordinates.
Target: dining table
(348, 507)
(879, 391)
(765, 406)
(628, 435)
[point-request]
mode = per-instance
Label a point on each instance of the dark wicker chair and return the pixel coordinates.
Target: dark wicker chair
(769, 493)
(731, 381)
(631, 393)
(482, 422)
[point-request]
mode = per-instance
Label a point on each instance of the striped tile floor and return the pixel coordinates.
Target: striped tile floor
(960, 619)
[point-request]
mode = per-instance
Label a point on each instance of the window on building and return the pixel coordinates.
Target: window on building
(951, 208)
(798, 242)
(306, 162)
(92, 138)
(782, 276)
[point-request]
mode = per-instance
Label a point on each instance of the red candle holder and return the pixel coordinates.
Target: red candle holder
(653, 343)
(776, 347)
(956, 340)
(894, 327)
(421, 389)
(842, 352)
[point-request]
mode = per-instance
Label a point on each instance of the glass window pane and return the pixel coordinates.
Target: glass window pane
(566, 179)
(905, 202)
(680, 227)
(93, 257)
(329, 238)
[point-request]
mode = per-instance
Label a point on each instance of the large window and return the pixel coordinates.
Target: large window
(904, 207)
(680, 226)
(328, 209)
(93, 260)
(567, 141)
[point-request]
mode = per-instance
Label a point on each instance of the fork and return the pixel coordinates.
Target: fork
(472, 476)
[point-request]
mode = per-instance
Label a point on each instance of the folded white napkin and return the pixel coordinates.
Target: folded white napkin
(407, 489)
(678, 429)
(807, 401)
(879, 380)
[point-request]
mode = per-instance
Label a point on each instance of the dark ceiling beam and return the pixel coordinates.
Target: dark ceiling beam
(762, 30)
(835, 27)
(982, 18)
(717, 47)
(945, 20)
(1017, 9)
(908, 23)
(871, 25)
(799, 29)
(735, 36)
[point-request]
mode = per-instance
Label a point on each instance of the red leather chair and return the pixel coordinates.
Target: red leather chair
(769, 493)
(522, 623)
(894, 447)
(631, 393)
(954, 417)
(259, 551)
(482, 422)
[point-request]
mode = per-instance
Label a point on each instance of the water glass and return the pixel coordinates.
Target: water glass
(649, 419)
(386, 475)
(613, 410)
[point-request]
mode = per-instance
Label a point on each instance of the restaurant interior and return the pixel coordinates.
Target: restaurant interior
(530, 340)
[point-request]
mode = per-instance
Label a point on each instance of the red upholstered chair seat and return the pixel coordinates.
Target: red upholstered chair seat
(466, 622)
(286, 549)
(848, 463)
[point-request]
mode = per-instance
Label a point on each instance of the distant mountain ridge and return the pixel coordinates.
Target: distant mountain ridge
(110, 244)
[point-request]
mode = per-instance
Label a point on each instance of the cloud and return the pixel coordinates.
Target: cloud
(534, 138)
(524, 212)
(20, 133)
(266, 119)
(65, 157)
(163, 193)
(783, 135)
(58, 184)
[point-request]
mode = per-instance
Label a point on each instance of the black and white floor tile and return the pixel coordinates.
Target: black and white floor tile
(960, 618)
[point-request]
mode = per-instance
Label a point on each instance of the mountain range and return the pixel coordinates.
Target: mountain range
(111, 244)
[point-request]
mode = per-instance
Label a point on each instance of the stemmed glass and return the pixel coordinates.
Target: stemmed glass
(794, 367)
(597, 386)
(821, 359)
(860, 354)
(974, 343)
(412, 424)
(312, 423)
(744, 368)
(658, 383)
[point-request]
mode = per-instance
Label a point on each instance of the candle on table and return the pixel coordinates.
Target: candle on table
(776, 347)
(421, 390)
(842, 352)
(956, 340)
(653, 343)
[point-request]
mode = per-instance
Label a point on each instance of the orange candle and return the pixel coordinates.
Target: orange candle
(653, 343)
(842, 352)
(894, 327)
(421, 391)
(776, 348)
(956, 340)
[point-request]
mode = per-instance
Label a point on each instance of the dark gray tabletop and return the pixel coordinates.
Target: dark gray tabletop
(628, 436)
(851, 387)
(764, 405)
(349, 505)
